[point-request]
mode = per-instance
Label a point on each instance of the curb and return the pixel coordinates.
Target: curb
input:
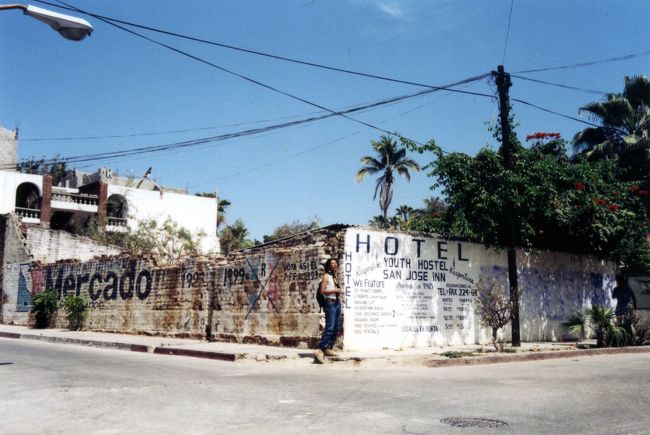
(237, 356)
(81, 342)
(198, 353)
(537, 356)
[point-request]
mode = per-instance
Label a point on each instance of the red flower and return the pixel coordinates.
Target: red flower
(643, 192)
(613, 207)
(579, 186)
(541, 135)
(633, 188)
(600, 201)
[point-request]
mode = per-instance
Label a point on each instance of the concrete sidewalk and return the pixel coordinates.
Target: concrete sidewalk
(431, 357)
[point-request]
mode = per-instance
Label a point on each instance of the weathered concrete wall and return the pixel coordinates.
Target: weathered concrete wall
(126, 294)
(641, 286)
(401, 290)
(15, 245)
(405, 290)
(8, 149)
(194, 213)
(265, 294)
(268, 293)
(49, 246)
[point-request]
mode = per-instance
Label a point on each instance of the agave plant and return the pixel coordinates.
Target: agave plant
(601, 319)
(577, 325)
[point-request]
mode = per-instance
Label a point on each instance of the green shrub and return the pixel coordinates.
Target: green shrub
(601, 319)
(457, 354)
(44, 305)
(76, 308)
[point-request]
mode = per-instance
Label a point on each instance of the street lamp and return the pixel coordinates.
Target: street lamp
(69, 27)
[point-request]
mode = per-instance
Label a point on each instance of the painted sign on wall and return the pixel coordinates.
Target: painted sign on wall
(403, 291)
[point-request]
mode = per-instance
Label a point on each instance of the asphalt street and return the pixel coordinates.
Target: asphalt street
(57, 388)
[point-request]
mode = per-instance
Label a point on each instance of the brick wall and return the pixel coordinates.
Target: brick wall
(46, 201)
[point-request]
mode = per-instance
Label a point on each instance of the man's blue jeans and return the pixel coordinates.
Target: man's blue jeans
(332, 324)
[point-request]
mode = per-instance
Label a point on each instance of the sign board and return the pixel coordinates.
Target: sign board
(408, 291)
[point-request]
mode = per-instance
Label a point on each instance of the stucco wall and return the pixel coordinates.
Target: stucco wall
(267, 293)
(197, 214)
(15, 247)
(125, 294)
(406, 290)
(9, 182)
(49, 246)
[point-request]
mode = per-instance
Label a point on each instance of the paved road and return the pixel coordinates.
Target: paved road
(55, 388)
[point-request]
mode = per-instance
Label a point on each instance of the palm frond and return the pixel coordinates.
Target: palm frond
(588, 138)
(368, 170)
(637, 90)
(577, 325)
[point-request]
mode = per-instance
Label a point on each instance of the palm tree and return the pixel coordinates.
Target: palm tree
(221, 211)
(389, 159)
(624, 119)
(382, 223)
(404, 214)
(233, 237)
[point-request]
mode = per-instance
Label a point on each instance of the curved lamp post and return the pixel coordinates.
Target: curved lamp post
(69, 27)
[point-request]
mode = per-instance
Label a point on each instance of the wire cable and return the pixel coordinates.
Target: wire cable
(505, 48)
(585, 64)
(559, 85)
(556, 113)
(157, 133)
(275, 162)
(199, 141)
(287, 94)
(244, 50)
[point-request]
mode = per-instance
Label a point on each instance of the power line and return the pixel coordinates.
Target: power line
(287, 94)
(245, 50)
(265, 165)
(239, 124)
(584, 64)
(157, 133)
(505, 48)
(200, 141)
(556, 113)
(226, 70)
(559, 85)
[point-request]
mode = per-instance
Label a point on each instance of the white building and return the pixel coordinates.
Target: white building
(115, 202)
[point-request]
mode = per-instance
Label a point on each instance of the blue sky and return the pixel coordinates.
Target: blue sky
(116, 84)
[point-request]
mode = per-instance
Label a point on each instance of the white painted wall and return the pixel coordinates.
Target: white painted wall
(403, 290)
(9, 182)
(49, 246)
(196, 214)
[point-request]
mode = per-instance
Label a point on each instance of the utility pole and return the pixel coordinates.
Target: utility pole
(503, 84)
